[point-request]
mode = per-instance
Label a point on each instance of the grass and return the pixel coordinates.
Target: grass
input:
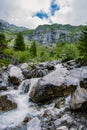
(4, 62)
(63, 51)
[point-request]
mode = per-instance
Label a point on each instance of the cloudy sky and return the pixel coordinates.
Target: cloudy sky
(31, 13)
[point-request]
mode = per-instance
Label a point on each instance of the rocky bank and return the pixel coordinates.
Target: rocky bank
(44, 96)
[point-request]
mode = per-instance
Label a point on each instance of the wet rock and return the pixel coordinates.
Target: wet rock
(60, 103)
(73, 128)
(72, 64)
(6, 104)
(20, 127)
(50, 66)
(53, 85)
(62, 128)
(15, 74)
(23, 66)
(79, 100)
(38, 72)
(57, 123)
(47, 114)
(27, 73)
(24, 86)
(2, 87)
(26, 120)
(4, 79)
(34, 124)
(67, 119)
(83, 83)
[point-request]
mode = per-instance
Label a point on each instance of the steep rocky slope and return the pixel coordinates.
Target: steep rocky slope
(56, 33)
(46, 33)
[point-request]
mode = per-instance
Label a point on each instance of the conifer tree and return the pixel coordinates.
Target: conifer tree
(19, 42)
(2, 41)
(33, 49)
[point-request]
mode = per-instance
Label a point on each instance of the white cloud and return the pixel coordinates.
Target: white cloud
(71, 12)
(21, 12)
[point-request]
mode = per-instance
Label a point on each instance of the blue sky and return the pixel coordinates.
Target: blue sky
(41, 15)
(31, 13)
(53, 8)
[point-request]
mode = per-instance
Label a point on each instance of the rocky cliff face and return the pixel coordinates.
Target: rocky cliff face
(56, 33)
(46, 33)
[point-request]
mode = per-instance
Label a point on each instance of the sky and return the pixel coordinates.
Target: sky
(31, 13)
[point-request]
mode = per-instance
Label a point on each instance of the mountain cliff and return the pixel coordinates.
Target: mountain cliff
(46, 33)
(56, 33)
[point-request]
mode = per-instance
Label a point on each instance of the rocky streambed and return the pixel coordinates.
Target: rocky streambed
(45, 96)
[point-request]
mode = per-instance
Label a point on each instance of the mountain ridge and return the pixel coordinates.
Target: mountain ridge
(56, 33)
(6, 26)
(46, 33)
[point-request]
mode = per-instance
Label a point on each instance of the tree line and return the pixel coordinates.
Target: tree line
(19, 44)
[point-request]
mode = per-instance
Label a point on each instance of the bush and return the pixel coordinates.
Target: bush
(69, 52)
(83, 45)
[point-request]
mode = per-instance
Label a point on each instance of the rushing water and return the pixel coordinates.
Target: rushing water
(25, 107)
(15, 117)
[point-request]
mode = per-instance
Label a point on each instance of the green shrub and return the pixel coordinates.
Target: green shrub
(82, 46)
(69, 52)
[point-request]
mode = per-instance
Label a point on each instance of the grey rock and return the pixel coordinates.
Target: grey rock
(23, 66)
(53, 85)
(24, 86)
(62, 128)
(57, 123)
(15, 74)
(6, 104)
(34, 124)
(79, 100)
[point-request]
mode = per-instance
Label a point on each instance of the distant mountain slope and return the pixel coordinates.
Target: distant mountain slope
(5, 26)
(56, 33)
(45, 33)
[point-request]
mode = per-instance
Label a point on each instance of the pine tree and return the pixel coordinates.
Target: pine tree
(19, 42)
(83, 44)
(33, 49)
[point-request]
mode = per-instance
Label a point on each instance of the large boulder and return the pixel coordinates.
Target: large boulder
(6, 104)
(15, 74)
(79, 100)
(55, 84)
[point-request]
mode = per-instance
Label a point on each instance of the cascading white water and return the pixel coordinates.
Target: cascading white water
(24, 107)
(14, 117)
